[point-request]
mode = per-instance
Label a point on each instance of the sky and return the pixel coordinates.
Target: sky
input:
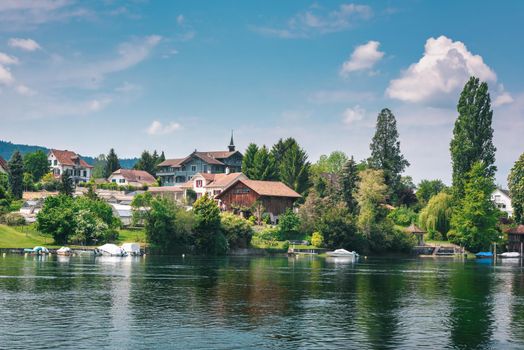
(180, 75)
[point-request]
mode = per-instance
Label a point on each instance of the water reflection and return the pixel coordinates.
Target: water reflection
(272, 302)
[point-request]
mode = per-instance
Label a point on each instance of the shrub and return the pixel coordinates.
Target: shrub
(13, 219)
(316, 239)
(403, 216)
(269, 234)
(238, 231)
(288, 224)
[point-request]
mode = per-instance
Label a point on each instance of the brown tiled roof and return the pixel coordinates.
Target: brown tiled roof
(267, 188)
(519, 230)
(165, 189)
(207, 176)
(206, 157)
(69, 158)
(3, 164)
(172, 162)
(139, 176)
(220, 154)
(224, 180)
(414, 229)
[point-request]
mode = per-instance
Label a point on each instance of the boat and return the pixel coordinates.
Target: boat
(484, 255)
(39, 250)
(111, 250)
(342, 253)
(510, 255)
(66, 251)
(131, 249)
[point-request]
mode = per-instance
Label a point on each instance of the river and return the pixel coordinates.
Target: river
(259, 303)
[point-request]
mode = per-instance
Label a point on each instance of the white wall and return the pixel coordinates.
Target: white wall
(502, 201)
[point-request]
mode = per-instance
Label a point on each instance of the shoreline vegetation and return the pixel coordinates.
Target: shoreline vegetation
(363, 206)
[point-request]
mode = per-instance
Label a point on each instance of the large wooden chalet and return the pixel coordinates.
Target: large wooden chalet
(274, 196)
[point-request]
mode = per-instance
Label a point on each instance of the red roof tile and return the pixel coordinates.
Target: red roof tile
(266, 188)
(139, 176)
(69, 158)
(166, 189)
(519, 230)
(224, 180)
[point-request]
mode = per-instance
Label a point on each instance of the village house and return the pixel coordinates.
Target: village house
(176, 172)
(173, 193)
(274, 196)
(502, 201)
(60, 161)
(211, 184)
(516, 239)
(3, 166)
(137, 178)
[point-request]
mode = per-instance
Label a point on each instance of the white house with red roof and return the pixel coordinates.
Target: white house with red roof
(124, 177)
(61, 161)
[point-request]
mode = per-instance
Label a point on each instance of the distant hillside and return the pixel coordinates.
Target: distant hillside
(7, 149)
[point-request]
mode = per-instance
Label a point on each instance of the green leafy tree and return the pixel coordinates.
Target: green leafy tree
(88, 228)
(36, 164)
(67, 186)
(28, 182)
(112, 163)
(57, 218)
(99, 167)
(349, 184)
(436, 215)
(371, 194)
(238, 231)
(516, 188)
(332, 163)
(207, 233)
(248, 161)
(50, 183)
(288, 224)
(386, 154)
(427, 189)
(264, 167)
(294, 168)
(146, 163)
(474, 220)
(472, 135)
(16, 175)
(339, 230)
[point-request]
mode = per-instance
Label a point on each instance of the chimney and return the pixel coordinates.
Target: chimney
(227, 170)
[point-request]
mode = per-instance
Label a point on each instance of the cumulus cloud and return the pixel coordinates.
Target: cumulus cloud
(502, 99)
(317, 20)
(364, 57)
(441, 72)
(353, 114)
(24, 44)
(157, 128)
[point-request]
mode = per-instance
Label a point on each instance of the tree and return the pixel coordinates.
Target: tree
(472, 135)
(516, 189)
(406, 192)
(146, 163)
(427, 189)
(370, 196)
(16, 175)
(348, 184)
(338, 228)
(57, 218)
(288, 224)
(264, 167)
(67, 186)
(294, 168)
(475, 218)
(112, 163)
(36, 164)
(280, 148)
(237, 230)
(208, 236)
(248, 161)
(385, 152)
(99, 168)
(159, 160)
(332, 163)
(436, 215)
(28, 182)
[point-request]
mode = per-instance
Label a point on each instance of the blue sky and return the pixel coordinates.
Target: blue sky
(176, 76)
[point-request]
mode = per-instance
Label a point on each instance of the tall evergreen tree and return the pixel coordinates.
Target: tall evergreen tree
(349, 184)
(294, 168)
(112, 163)
(472, 135)
(16, 175)
(36, 164)
(67, 186)
(146, 163)
(264, 167)
(99, 168)
(385, 152)
(516, 189)
(248, 161)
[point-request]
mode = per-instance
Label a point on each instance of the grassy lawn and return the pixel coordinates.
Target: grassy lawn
(131, 236)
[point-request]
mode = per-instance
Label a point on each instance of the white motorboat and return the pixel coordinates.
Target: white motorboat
(111, 250)
(510, 255)
(131, 249)
(342, 253)
(64, 251)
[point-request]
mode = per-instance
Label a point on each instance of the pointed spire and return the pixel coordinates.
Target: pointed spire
(231, 143)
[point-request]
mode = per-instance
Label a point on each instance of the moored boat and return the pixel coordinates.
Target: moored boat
(484, 255)
(510, 255)
(66, 251)
(342, 253)
(131, 249)
(111, 250)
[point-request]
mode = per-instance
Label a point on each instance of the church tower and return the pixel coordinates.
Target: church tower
(231, 146)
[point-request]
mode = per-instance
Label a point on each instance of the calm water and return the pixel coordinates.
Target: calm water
(275, 303)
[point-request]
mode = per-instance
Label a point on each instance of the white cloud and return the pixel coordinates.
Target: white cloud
(364, 57)
(502, 99)
(157, 128)
(96, 105)
(440, 74)
(25, 91)
(6, 77)
(24, 44)
(180, 20)
(317, 20)
(353, 114)
(6, 59)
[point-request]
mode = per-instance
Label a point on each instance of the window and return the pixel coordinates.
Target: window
(193, 168)
(113, 180)
(122, 181)
(198, 183)
(54, 162)
(215, 192)
(85, 173)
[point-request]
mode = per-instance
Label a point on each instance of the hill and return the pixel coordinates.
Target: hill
(7, 149)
